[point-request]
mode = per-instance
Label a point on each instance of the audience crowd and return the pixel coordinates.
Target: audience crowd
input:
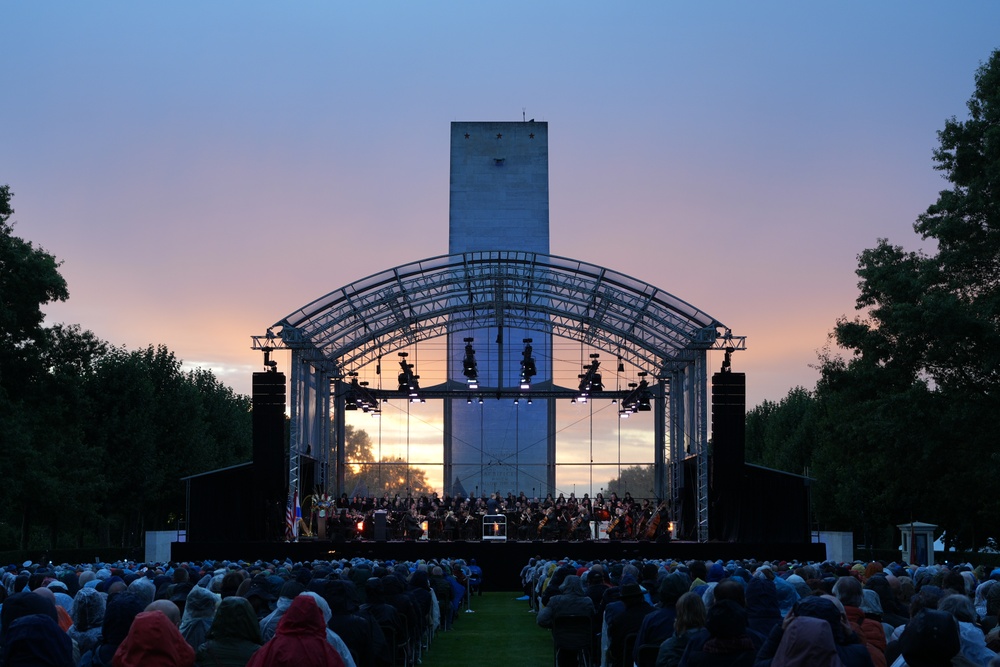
(363, 613)
(661, 613)
(340, 613)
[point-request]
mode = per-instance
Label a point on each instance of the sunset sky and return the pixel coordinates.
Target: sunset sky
(203, 169)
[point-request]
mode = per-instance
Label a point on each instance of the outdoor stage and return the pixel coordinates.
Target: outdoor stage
(501, 561)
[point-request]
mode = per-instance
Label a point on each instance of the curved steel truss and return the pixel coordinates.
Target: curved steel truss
(352, 325)
(654, 330)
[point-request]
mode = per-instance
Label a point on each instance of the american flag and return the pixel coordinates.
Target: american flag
(292, 512)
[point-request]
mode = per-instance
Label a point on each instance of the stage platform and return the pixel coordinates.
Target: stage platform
(501, 561)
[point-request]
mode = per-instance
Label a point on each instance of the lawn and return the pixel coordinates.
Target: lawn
(499, 631)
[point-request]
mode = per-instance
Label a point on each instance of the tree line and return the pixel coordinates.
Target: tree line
(901, 424)
(94, 438)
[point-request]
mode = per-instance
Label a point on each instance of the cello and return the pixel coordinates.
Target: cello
(654, 522)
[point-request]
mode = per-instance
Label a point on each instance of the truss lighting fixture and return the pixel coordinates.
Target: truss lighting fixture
(637, 399)
(590, 379)
(408, 382)
(358, 396)
(528, 369)
(470, 369)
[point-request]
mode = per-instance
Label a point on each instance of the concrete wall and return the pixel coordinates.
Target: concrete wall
(499, 200)
(158, 545)
(839, 546)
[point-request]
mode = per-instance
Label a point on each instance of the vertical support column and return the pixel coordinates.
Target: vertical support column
(660, 439)
(340, 437)
(677, 444)
(295, 424)
(448, 472)
(324, 423)
(550, 468)
(699, 390)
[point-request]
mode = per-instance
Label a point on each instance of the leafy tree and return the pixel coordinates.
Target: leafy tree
(41, 401)
(390, 475)
(905, 422)
(95, 439)
(29, 279)
(157, 424)
(781, 435)
(636, 480)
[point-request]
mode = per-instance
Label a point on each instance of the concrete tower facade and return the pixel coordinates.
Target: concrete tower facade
(499, 200)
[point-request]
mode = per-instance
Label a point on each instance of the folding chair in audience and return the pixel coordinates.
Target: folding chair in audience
(572, 633)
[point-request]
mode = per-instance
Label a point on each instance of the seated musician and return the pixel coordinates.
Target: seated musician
(580, 524)
(411, 522)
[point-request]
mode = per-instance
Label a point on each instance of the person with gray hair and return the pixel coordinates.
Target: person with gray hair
(848, 590)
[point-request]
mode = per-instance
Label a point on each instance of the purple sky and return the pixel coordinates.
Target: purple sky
(203, 169)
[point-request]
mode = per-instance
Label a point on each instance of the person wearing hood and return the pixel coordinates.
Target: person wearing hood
(35, 640)
(626, 623)
(931, 639)
(143, 587)
(851, 651)
(88, 615)
(154, 641)
(763, 611)
(893, 612)
(394, 592)
(658, 625)
(331, 637)
(234, 636)
(728, 644)
(972, 639)
(363, 636)
(787, 595)
(300, 639)
(118, 616)
(269, 624)
(23, 604)
(807, 642)
(444, 593)
(199, 612)
(571, 601)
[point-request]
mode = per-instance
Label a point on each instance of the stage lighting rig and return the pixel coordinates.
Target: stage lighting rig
(637, 399)
(470, 369)
(408, 382)
(590, 379)
(358, 396)
(269, 365)
(528, 369)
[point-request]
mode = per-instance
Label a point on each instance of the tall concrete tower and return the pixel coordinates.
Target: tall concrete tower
(499, 201)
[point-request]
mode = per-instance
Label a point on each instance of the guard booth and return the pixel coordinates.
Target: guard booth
(918, 542)
(495, 528)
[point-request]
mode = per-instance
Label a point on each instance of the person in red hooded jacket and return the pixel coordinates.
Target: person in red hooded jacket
(154, 641)
(300, 640)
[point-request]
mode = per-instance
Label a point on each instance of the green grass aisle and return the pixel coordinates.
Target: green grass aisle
(500, 632)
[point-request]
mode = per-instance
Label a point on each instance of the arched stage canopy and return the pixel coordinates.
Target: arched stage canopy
(653, 330)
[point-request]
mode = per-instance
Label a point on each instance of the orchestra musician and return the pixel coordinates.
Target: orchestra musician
(411, 521)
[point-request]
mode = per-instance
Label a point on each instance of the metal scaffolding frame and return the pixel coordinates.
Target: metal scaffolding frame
(363, 321)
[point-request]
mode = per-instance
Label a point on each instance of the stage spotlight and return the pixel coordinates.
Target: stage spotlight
(528, 369)
(470, 369)
(590, 379)
(408, 382)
